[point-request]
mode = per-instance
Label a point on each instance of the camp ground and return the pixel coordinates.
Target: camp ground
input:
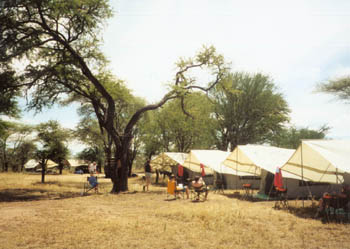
(167, 161)
(209, 164)
(262, 161)
(321, 161)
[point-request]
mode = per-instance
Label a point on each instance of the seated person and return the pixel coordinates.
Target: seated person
(334, 200)
(199, 186)
(182, 186)
(93, 182)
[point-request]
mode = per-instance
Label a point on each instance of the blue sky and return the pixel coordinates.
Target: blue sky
(297, 43)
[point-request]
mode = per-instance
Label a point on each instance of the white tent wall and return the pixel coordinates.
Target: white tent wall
(296, 189)
(236, 182)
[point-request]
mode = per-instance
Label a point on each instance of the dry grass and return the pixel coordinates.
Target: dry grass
(61, 218)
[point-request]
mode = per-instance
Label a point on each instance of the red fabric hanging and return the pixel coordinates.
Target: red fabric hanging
(278, 180)
(202, 170)
(180, 170)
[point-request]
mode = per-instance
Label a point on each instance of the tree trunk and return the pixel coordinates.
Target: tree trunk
(157, 176)
(43, 171)
(131, 157)
(120, 170)
(108, 166)
(60, 167)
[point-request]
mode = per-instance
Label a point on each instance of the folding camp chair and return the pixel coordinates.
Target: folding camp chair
(90, 184)
(199, 194)
(218, 186)
(248, 191)
(174, 190)
(282, 198)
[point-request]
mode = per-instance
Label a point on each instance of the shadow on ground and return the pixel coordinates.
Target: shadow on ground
(11, 195)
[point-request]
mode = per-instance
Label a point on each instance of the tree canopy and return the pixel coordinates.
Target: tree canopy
(291, 137)
(58, 44)
(248, 109)
(338, 87)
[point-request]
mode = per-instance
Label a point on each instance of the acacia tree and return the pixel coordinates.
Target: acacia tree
(15, 145)
(94, 135)
(291, 137)
(52, 137)
(60, 39)
(248, 109)
(183, 132)
(338, 87)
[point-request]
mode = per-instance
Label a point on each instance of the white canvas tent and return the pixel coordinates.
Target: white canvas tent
(262, 161)
(210, 159)
(320, 160)
(51, 164)
(76, 163)
(30, 165)
(212, 162)
(33, 165)
(167, 160)
(253, 158)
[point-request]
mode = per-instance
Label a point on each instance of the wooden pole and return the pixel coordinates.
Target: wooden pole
(237, 167)
(302, 166)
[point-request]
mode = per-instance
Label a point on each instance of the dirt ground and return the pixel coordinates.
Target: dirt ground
(55, 215)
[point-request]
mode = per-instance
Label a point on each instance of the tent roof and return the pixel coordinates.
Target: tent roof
(211, 159)
(252, 158)
(76, 162)
(31, 164)
(51, 164)
(320, 160)
(166, 160)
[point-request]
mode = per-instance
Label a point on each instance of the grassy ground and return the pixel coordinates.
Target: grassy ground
(55, 215)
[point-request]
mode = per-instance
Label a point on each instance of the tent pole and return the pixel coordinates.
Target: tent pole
(336, 175)
(302, 166)
(237, 167)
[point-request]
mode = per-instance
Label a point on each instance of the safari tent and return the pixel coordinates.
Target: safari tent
(262, 160)
(211, 162)
(31, 165)
(166, 161)
(77, 165)
(321, 161)
(255, 158)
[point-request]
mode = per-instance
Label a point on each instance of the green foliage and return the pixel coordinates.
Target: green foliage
(8, 94)
(181, 132)
(92, 154)
(56, 41)
(291, 137)
(339, 87)
(248, 109)
(15, 145)
(52, 138)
